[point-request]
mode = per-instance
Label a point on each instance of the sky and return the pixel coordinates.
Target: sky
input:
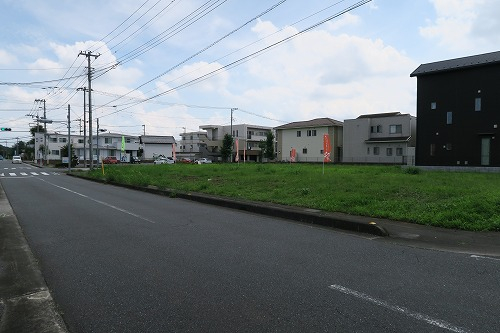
(164, 67)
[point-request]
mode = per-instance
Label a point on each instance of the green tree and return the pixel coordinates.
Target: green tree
(36, 129)
(226, 149)
(64, 153)
(269, 148)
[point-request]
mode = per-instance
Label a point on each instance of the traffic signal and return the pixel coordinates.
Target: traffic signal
(5, 129)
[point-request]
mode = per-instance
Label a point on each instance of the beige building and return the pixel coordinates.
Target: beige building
(306, 137)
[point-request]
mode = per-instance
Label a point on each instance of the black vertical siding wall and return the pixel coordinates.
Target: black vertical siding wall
(455, 91)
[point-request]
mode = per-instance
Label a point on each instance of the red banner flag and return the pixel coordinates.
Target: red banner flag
(173, 151)
(237, 159)
(326, 148)
(293, 154)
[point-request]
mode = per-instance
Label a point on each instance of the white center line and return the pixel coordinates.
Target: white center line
(485, 258)
(400, 309)
(99, 202)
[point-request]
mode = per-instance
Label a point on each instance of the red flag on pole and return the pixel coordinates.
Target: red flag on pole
(237, 159)
(326, 148)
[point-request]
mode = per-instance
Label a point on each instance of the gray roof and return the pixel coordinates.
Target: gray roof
(381, 115)
(459, 63)
(155, 139)
(319, 122)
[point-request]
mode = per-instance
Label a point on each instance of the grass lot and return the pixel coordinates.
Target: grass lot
(468, 201)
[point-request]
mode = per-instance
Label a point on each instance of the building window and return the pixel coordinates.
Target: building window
(299, 134)
(433, 105)
(62, 140)
(477, 104)
(367, 150)
(376, 129)
(448, 146)
(107, 140)
(80, 140)
(433, 149)
(55, 152)
(53, 140)
(399, 151)
(127, 140)
(393, 129)
(311, 132)
(376, 150)
(389, 151)
(449, 118)
(304, 151)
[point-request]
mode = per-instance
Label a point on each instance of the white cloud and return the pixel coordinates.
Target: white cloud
(320, 74)
(463, 25)
(6, 58)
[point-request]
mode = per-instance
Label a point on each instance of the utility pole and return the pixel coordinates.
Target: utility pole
(69, 140)
(97, 144)
(89, 54)
(84, 89)
(44, 128)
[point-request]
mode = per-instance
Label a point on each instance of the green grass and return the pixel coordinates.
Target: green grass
(467, 201)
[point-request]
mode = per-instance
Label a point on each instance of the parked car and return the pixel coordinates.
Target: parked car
(164, 160)
(17, 159)
(110, 160)
(186, 160)
(135, 159)
(203, 161)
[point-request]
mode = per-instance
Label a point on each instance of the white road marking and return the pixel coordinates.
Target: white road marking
(400, 309)
(484, 258)
(34, 173)
(44, 173)
(23, 173)
(99, 201)
(13, 174)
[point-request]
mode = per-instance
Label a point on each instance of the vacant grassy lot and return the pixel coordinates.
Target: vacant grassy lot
(468, 201)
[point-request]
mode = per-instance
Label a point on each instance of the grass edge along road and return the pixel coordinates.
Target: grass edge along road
(458, 200)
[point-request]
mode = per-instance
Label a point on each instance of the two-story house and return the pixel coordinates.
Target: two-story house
(306, 138)
(458, 112)
(380, 138)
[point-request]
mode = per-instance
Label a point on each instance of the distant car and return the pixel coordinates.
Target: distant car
(186, 160)
(1, 157)
(164, 160)
(134, 159)
(110, 160)
(17, 159)
(204, 161)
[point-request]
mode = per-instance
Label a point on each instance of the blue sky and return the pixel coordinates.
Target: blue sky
(357, 63)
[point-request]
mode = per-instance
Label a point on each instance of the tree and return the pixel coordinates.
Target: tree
(226, 149)
(269, 148)
(64, 153)
(37, 129)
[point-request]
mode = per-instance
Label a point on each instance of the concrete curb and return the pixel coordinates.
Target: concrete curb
(312, 216)
(25, 301)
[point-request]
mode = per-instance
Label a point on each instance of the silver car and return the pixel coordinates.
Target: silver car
(17, 159)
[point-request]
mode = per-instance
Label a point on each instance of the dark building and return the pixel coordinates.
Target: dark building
(458, 112)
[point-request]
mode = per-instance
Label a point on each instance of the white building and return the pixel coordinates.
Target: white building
(380, 138)
(104, 145)
(193, 145)
(155, 145)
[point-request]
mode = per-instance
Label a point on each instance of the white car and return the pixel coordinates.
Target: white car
(204, 161)
(164, 160)
(17, 159)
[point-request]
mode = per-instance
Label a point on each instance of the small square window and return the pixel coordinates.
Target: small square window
(368, 150)
(477, 104)
(399, 151)
(433, 105)
(389, 151)
(299, 134)
(448, 146)
(433, 149)
(304, 151)
(449, 118)
(376, 150)
(395, 129)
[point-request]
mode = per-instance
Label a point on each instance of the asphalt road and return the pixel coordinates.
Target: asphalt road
(118, 260)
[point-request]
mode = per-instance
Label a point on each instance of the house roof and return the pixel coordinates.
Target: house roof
(389, 139)
(154, 139)
(380, 115)
(459, 63)
(319, 122)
